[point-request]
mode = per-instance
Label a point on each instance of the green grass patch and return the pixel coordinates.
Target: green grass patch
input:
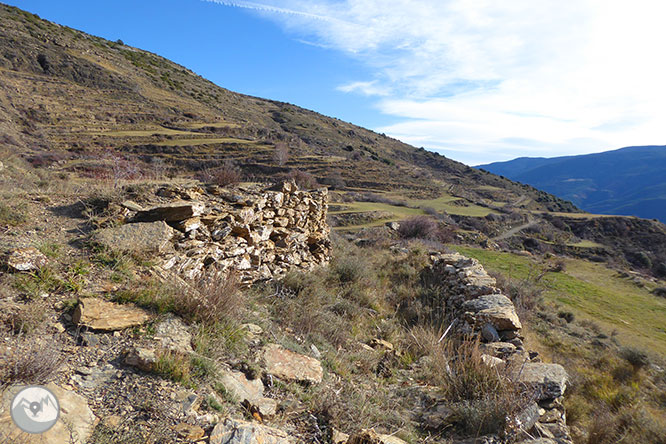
(12, 216)
(203, 141)
(591, 291)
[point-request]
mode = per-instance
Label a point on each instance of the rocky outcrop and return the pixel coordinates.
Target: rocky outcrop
(475, 306)
(232, 431)
(25, 259)
(258, 232)
(291, 366)
(98, 314)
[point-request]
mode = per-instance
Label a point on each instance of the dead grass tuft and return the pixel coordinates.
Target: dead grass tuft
(28, 361)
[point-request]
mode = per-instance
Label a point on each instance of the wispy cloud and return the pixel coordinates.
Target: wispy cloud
(488, 80)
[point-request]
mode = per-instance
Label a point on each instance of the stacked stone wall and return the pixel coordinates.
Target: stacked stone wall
(476, 307)
(258, 232)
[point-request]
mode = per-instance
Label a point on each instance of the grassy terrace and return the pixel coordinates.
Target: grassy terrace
(445, 203)
(594, 292)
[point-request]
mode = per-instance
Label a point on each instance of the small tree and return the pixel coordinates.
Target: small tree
(281, 153)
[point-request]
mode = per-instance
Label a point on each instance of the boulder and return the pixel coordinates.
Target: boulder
(136, 238)
(74, 426)
(26, 259)
(548, 380)
(495, 309)
(500, 350)
(189, 432)
(171, 212)
(233, 431)
(142, 358)
(172, 334)
(291, 366)
(98, 314)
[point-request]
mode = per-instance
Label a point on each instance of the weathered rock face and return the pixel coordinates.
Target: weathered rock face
(549, 380)
(74, 426)
(231, 431)
(99, 314)
(136, 238)
(26, 259)
(171, 212)
(248, 391)
(258, 233)
(291, 366)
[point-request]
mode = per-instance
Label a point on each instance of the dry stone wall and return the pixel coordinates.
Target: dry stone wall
(257, 232)
(477, 307)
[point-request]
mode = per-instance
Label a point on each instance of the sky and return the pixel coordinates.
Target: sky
(475, 80)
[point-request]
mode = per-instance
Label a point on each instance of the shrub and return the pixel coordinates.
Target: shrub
(303, 179)
(209, 300)
(28, 361)
(11, 216)
(422, 227)
(482, 398)
(660, 291)
(227, 174)
(281, 153)
(637, 358)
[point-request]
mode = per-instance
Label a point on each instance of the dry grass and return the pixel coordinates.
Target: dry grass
(210, 300)
(28, 361)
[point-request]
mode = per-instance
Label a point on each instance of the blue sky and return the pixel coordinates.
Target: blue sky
(476, 81)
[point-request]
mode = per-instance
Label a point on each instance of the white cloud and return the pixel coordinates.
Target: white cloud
(486, 80)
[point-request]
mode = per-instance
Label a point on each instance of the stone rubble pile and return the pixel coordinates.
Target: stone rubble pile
(257, 232)
(476, 306)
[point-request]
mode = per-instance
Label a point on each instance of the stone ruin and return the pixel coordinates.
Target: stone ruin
(258, 232)
(477, 307)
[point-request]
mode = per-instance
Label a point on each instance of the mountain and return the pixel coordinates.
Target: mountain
(628, 181)
(72, 98)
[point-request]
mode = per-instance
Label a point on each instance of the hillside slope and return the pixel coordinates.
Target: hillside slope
(78, 97)
(629, 181)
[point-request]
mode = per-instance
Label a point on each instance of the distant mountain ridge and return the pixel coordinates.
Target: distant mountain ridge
(628, 181)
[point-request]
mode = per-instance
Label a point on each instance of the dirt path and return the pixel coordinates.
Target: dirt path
(515, 230)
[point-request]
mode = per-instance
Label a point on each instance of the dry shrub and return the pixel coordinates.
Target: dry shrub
(482, 398)
(227, 174)
(26, 360)
(526, 294)
(421, 227)
(629, 426)
(303, 179)
(281, 153)
(26, 318)
(210, 300)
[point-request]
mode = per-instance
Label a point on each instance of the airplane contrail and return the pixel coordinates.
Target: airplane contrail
(275, 9)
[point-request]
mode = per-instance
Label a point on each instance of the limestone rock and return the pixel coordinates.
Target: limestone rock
(240, 387)
(232, 431)
(291, 366)
(142, 358)
(189, 432)
(495, 309)
(500, 350)
(549, 380)
(26, 259)
(74, 426)
(173, 334)
(136, 238)
(98, 314)
(171, 212)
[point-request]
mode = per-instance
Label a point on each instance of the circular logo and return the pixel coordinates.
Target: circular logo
(35, 409)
